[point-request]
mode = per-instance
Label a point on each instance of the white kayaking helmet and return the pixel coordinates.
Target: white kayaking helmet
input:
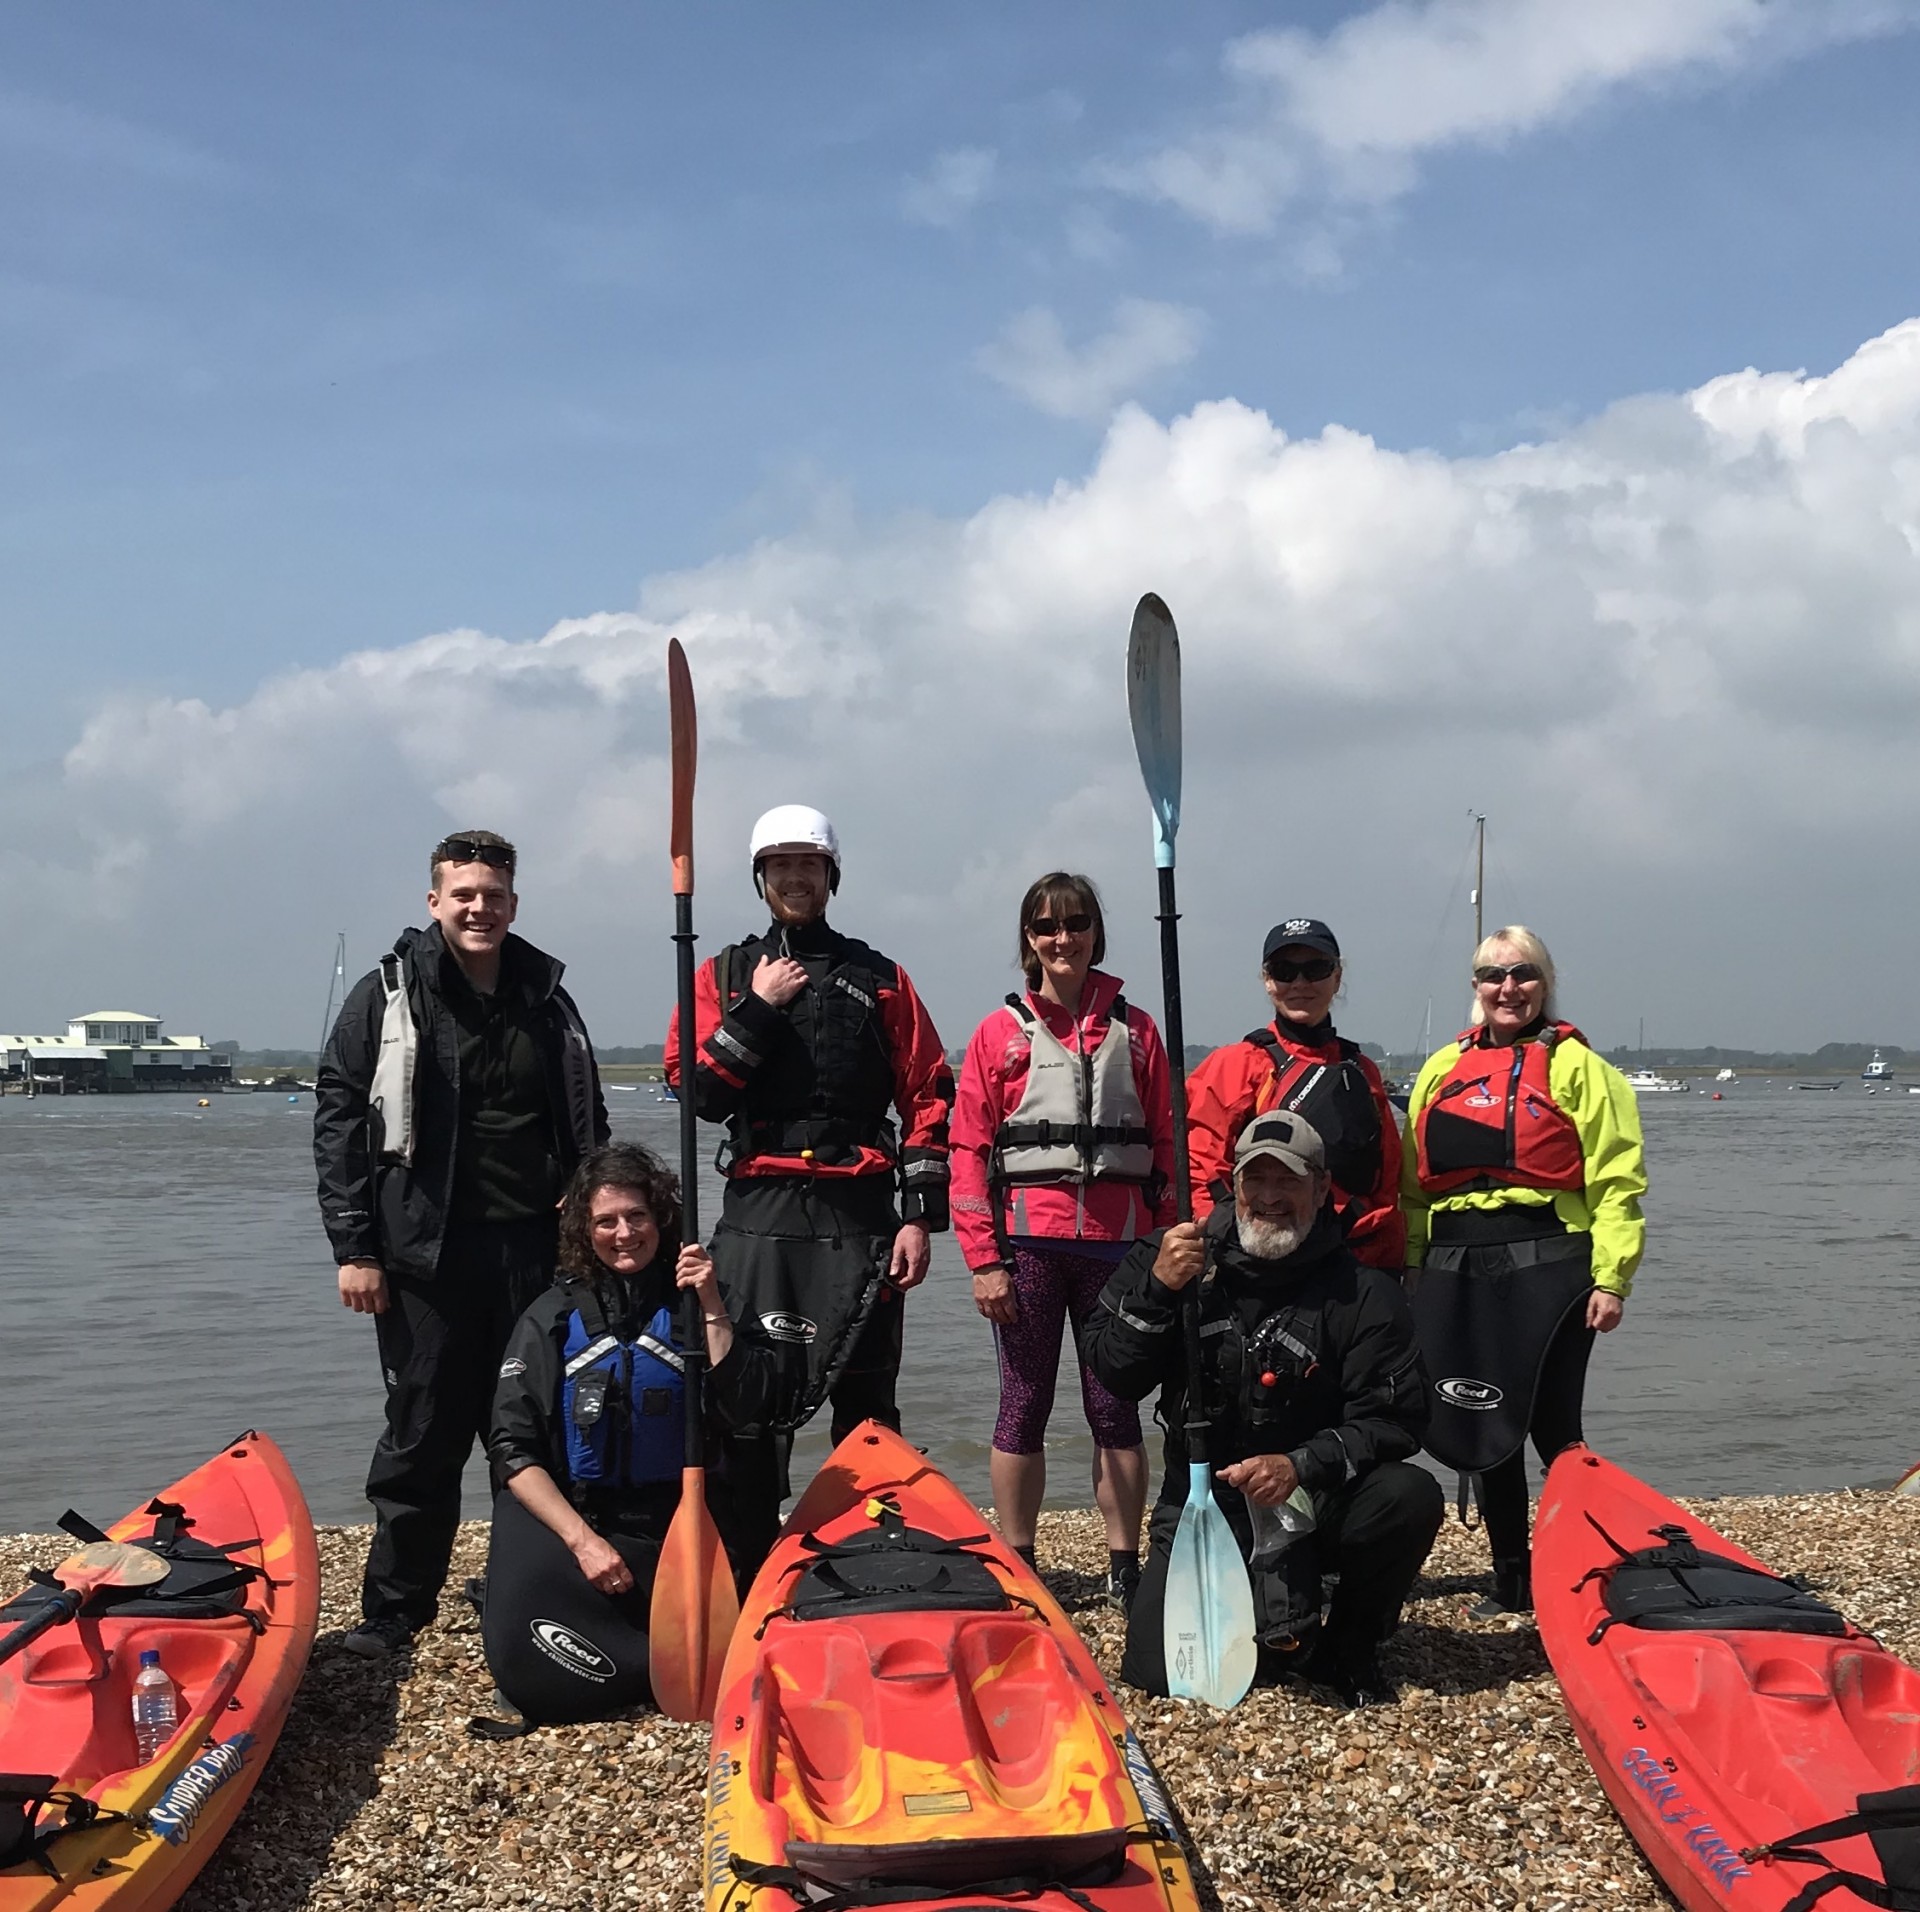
(795, 828)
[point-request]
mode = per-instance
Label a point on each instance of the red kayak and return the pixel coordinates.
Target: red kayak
(1763, 1751)
(907, 1719)
(87, 1822)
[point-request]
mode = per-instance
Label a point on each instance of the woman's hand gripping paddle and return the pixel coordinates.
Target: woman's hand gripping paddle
(102, 1563)
(695, 1605)
(1209, 1611)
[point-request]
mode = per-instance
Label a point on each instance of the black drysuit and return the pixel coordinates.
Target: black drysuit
(456, 1280)
(558, 1647)
(1312, 1357)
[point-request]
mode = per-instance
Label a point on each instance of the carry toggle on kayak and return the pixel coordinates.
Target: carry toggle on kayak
(1764, 1752)
(230, 1605)
(906, 1718)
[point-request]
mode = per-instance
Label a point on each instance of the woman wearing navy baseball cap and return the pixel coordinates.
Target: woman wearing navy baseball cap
(1299, 1062)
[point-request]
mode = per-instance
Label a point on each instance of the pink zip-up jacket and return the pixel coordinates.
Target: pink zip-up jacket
(992, 1081)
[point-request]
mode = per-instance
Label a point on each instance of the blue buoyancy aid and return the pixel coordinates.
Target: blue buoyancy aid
(621, 1399)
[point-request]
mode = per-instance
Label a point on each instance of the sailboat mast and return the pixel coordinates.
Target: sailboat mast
(336, 988)
(1479, 877)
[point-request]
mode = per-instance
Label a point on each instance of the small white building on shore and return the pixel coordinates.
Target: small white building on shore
(112, 1051)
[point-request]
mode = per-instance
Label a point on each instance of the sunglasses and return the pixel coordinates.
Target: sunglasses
(1316, 969)
(1075, 925)
(496, 856)
(1494, 974)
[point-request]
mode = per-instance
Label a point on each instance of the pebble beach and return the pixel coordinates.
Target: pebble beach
(1470, 1793)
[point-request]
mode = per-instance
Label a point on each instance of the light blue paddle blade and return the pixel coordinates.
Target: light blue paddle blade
(1209, 1612)
(1153, 703)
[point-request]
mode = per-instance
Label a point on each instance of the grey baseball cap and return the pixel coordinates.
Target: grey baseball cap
(1287, 1138)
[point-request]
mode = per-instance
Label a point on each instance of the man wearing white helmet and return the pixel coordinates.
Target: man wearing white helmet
(808, 1042)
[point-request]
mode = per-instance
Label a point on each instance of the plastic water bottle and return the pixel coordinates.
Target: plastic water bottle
(1275, 1529)
(156, 1707)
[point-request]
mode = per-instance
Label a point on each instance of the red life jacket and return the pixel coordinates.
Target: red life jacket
(1494, 1122)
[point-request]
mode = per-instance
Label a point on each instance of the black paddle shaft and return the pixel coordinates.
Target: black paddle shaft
(1195, 1425)
(60, 1608)
(693, 1331)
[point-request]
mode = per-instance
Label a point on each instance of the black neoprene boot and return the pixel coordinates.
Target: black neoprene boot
(1512, 1590)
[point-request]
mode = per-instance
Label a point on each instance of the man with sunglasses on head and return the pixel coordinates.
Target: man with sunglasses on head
(1300, 1062)
(808, 1041)
(455, 1097)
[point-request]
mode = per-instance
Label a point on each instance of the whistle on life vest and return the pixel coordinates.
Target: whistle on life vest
(806, 1155)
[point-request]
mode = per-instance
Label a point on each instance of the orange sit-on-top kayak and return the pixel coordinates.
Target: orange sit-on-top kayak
(907, 1718)
(83, 1823)
(1763, 1751)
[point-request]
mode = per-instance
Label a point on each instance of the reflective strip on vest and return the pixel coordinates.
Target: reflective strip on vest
(1090, 1101)
(392, 1091)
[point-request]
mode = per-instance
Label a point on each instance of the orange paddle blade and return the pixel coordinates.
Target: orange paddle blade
(110, 1563)
(695, 1608)
(686, 750)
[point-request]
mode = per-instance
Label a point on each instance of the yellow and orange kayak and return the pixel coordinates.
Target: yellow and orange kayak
(233, 1623)
(907, 1717)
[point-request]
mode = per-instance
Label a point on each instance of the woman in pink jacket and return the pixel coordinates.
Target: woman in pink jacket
(1062, 1157)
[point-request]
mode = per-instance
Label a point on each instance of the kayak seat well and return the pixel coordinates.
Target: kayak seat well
(74, 1706)
(1783, 1728)
(860, 1726)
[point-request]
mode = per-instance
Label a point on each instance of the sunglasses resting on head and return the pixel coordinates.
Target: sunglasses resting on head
(457, 849)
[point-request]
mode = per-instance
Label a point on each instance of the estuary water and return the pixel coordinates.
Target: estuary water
(164, 1283)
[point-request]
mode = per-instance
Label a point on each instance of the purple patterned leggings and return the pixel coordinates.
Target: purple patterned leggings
(1051, 1286)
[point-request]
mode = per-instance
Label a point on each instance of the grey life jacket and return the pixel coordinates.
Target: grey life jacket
(392, 1091)
(1079, 1118)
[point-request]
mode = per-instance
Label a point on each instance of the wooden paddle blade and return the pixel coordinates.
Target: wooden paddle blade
(1208, 1628)
(686, 751)
(695, 1608)
(1153, 705)
(110, 1563)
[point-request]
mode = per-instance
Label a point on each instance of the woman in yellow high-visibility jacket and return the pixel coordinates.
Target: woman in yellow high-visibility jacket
(1522, 1175)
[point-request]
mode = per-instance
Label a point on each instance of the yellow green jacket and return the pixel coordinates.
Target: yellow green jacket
(1606, 1114)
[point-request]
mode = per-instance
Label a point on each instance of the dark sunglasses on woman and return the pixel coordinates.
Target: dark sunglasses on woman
(1497, 973)
(1075, 925)
(1316, 969)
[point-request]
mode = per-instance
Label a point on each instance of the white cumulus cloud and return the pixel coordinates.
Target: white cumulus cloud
(1034, 358)
(1673, 650)
(1347, 116)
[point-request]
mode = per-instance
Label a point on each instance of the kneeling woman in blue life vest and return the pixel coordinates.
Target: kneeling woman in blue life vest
(588, 1440)
(1522, 1179)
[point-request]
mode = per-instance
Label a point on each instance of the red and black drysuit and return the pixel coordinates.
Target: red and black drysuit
(818, 1182)
(1321, 1077)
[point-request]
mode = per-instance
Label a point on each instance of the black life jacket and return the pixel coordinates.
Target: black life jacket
(826, 1089)
(621, 1398)
(1336, 1098)
(1258, 1374)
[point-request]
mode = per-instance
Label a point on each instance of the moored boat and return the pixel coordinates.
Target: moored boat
(1652, 1082)
(233, 1621)
(907, 1717)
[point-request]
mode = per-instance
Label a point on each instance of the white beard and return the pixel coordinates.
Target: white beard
(1268, 1241)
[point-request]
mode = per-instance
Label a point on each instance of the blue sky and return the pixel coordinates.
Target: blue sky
(323, 333)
